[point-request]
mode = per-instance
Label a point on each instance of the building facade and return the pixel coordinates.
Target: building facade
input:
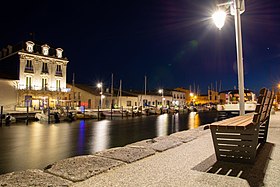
(39, 72)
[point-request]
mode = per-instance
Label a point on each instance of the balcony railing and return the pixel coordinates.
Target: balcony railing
(28, 70)
(45, 71)
(39, 89)
(58, 73)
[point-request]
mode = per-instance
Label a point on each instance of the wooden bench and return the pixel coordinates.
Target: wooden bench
(237, 139)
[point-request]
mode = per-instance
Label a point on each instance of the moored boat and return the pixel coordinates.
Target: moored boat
(232, 101)
(114, 113)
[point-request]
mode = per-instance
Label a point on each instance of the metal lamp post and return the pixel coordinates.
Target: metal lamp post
(99, 85)
(237, 7)
(161, 92)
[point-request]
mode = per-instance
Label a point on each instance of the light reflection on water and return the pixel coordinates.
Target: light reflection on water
(37, 145)
(194, 120)
(100, 136)
(162, 124)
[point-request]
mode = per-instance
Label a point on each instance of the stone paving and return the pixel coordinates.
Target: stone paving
(182, 159)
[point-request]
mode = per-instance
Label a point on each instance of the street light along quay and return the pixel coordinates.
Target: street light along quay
(236, 7)
(162, 97)
(99, 85)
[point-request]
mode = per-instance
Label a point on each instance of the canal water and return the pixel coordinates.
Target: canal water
(39, 144)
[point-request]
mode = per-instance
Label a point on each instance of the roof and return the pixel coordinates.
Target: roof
(37, 49)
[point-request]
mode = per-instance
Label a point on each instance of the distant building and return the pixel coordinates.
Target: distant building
(155, 99)
(39, 72)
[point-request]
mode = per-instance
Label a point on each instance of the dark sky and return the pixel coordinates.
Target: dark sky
(173, 42)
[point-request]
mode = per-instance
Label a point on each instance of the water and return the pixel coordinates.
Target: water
(39, 144)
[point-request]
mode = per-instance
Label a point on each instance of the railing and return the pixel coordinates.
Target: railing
(58, 73)
(28, 70)
(45, 89)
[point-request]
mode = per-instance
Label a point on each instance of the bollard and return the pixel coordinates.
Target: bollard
(122, 111)
(1, 113)
(49, 116)
(27, 114)
(98, 113)
(132, 111)
(111, 111)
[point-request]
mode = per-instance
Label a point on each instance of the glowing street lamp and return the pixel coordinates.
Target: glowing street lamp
(219, 18)
(161, 92)
(236, 7)
(99, 85)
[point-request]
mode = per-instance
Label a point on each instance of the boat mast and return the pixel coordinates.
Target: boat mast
(73, 86)
(112, 89)
(145, 84)
(120, 93)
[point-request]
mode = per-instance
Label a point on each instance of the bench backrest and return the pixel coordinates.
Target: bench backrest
(263, 107)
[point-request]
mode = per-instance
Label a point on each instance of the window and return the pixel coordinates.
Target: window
(45, 68)
(45, 49)
(59, 52)
(58, 71)
(28, 83)
(128, 103)
(79, 95)
(29, 46)
(29, 66)
(44, 83)
(58, 85)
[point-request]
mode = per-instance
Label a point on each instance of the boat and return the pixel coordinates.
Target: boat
(43, 117)
(86, 115)
(54, 116)
(8, 119)
(232, 105)
(114, 113)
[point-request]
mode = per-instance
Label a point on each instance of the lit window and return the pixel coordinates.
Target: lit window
(28, 83)
(58, 85)
(44, 83)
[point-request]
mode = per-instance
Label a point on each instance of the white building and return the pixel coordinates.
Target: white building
(39, 72)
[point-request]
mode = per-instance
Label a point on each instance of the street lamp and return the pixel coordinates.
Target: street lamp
(99, 85)
(162, 98)
(237, 7)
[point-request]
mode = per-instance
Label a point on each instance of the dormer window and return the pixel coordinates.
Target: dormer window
(29, 46)
(45, 49)
(59, 52)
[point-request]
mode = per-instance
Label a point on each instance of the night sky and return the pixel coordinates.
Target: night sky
(173, 42)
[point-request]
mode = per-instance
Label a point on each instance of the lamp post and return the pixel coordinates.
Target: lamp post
(162, 98)
(99, 85)
(237, 7)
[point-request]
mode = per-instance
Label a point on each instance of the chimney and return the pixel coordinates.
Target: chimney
(4, 50)
(10, 49)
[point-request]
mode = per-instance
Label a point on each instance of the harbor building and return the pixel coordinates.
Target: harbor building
(38, 73)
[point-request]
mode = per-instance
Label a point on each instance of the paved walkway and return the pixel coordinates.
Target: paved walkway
(182, 159)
